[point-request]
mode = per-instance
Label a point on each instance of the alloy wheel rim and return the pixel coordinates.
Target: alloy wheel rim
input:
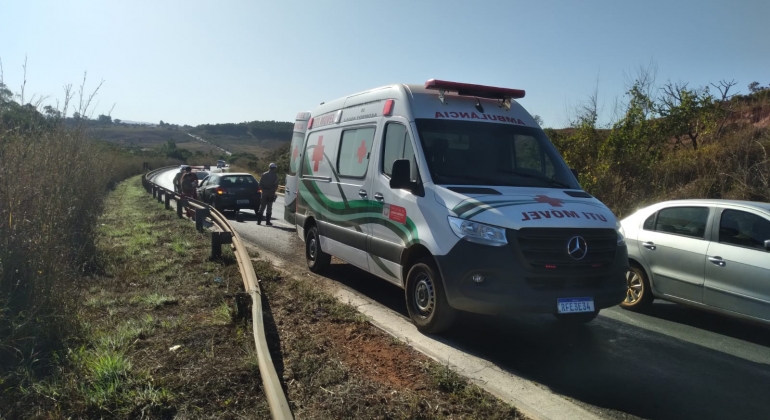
(424, 296)
(635, 287)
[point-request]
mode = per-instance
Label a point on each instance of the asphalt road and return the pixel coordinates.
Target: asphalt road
(670, 363)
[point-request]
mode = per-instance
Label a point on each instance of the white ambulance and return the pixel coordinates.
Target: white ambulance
(452, 192)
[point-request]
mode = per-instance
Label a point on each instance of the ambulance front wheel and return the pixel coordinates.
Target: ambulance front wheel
(317, 260)
(426, 300)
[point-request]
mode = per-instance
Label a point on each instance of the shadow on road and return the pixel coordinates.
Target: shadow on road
(609, 363)
(716, 323)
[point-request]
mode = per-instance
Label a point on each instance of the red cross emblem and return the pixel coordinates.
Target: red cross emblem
(295, 153)
(318, 153)
(361, 153)
(554, 202)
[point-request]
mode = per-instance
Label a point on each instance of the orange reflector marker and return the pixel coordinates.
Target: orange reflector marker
(387, 110)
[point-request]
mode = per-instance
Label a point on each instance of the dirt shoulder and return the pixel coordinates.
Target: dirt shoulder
(158, 339)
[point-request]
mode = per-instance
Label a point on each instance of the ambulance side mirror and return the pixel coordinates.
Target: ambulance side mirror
(401, 177)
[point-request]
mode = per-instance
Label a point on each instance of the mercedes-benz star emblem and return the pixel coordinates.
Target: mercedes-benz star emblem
(577, 247)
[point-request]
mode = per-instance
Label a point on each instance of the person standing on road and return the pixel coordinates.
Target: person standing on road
(177, 178)
(188, 182)
(269, 185)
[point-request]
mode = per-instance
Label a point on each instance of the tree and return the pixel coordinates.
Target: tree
(117, 120)
(687, 112)
(105, 119)
(51, 112)
(754, 87)
(538, 120)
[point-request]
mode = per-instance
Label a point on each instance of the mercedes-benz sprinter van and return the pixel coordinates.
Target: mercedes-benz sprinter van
(454, 193)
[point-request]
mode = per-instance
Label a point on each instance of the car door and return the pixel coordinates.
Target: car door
(202, 188)
(390, 235)
(205, 191)
(674, 246)
(738, 267)
(351, 192)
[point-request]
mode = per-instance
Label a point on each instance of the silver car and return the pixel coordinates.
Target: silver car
(710, 254)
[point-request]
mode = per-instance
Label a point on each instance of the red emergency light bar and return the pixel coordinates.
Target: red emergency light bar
(467, 89)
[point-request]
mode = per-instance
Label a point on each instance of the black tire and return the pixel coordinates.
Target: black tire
(639, 294)
(425, 299)
(577, 319)
(317, 260)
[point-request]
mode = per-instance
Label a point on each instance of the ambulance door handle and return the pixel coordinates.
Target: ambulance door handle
(362, 193)
(379, 196)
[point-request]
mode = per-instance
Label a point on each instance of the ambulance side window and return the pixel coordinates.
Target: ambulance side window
(397, 145)
(355, 148)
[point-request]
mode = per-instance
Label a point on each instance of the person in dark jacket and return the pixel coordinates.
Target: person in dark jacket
(269, 185)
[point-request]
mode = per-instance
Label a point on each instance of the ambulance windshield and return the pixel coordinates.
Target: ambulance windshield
(479, 153)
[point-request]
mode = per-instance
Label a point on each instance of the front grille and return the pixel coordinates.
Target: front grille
(546, 249)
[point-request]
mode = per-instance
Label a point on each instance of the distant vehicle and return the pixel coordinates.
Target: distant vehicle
(453, 192)
(709, 254)
(230, 191)
(221, 164)
(201, 175)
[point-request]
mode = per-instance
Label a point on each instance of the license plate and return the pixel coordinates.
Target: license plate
(575, 305)
(243, 201)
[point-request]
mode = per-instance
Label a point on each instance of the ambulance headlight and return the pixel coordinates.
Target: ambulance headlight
(477, 232)
(621, 234)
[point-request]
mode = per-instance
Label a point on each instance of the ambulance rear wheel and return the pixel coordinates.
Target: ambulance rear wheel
(426, 300)
(317, 260)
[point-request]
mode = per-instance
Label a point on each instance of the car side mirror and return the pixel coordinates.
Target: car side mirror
(767, 245)
(401, 177)
(575, 172)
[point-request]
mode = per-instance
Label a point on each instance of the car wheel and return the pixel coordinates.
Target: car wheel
(577, 319)
(425, 299)
(638, 295)
(317, 260)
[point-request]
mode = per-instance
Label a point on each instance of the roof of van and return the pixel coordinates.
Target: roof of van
(395, 91)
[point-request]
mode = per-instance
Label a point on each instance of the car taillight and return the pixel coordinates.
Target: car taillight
(221, 191)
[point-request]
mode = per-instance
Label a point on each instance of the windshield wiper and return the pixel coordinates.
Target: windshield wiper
(539, 177)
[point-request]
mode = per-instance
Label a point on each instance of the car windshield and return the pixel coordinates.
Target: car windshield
(239, 180)
(478, 153)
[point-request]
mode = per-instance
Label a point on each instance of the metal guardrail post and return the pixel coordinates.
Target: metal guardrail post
(180, 205)
(168, 201)
(200, 216)
(160, 195)
(217, 240)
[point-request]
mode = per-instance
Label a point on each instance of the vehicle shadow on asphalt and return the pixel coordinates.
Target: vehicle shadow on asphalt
(608, 363)
(715, 323)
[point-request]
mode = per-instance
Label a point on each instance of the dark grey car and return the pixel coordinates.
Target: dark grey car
(230, 191)
(710, 254)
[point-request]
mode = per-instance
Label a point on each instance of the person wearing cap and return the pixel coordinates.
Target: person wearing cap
(269, 185)
(188, 182)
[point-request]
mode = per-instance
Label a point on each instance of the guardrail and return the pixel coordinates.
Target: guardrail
(279, 405)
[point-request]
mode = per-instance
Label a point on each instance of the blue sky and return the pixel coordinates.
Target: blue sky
(194, 62)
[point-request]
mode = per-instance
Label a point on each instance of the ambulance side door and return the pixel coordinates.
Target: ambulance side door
(391, 235)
